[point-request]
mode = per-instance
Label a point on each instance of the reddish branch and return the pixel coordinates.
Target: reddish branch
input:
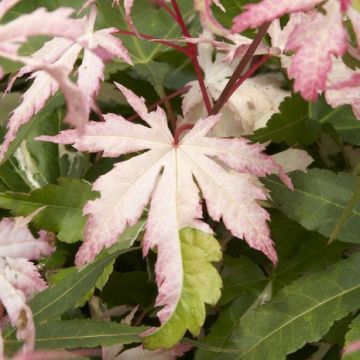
(176, 93)
(154, 39)
(248, 74)
(239, 70)
(190, 50)
(180, 130)
(193, 56)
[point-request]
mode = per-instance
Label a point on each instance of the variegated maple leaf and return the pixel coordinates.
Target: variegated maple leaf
(343, 87)
(311, 63)
(41, 22)
(169, 176)
(342, 83)
(19, 278)
(59, 56)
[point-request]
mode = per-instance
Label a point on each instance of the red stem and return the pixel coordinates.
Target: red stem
(180, 130)
(176, 93)
(148, 37)
(239, 70)
(249, 73)
(170, 12)
(193, 56)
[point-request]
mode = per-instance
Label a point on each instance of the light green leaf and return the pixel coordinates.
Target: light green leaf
(352, 336)
(300, 313)
(318, 200)
(201, 285)
(63, 207)
(356, 4)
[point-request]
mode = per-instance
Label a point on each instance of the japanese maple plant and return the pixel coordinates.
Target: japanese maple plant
(180, 179)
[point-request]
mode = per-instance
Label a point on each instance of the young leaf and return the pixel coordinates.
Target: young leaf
(352, 341)
(200, 284)
(318, 200)
(313, 303)
(63, 207)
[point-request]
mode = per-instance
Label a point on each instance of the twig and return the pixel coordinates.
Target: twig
(176, 93)
(240, 68)
(193, 56)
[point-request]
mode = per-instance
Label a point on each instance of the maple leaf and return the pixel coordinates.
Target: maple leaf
(225, 171)
(207, 18)
(343, 87)
(22, 243)
(19, 278)
(268, 10)
(312, 62)
(59, 56)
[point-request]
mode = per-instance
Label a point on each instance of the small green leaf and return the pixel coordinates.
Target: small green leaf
(356, 4)
(318, 200)
(201, 285)
(352, 336)
(63, 207)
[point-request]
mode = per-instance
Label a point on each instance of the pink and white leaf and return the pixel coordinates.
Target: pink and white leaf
(41, 22)
(268, 10)
(312, 62)
(343, 87)
(19, 280)
(293, 159)
(45, 85)
(207, 18)
(170, 177)
(19, 242)
(18, 312)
